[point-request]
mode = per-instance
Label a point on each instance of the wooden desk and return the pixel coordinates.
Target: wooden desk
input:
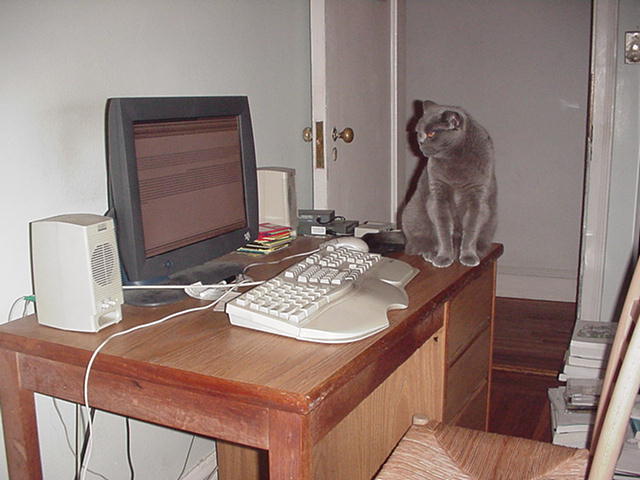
(319, 411)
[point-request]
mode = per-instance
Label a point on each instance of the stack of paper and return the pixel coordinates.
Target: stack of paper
(582, 393)
(571, 428)
(271, 238)
(588, 350)
(573, 408)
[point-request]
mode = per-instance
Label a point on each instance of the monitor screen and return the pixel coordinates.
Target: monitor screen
(182, 187)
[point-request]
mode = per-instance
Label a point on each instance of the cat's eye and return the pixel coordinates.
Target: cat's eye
(431, 134)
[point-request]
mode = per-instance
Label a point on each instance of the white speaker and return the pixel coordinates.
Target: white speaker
(76, 272)
(277, 196)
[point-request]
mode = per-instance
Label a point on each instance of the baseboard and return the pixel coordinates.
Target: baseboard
(205, 469)
(537, 283)
(524, 370)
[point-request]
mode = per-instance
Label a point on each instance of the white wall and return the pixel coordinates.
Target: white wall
(520, 67)
(60, 61)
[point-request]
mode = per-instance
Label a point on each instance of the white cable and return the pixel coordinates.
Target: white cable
(230, 286)
(183, 287)
(13, 305)
(85, 464)
(26, 299)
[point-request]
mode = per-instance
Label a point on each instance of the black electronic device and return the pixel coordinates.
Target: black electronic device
(317, 217)
(338, 226)
(182, 188)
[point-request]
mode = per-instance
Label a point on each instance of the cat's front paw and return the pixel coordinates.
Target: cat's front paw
(469, 259)
(440, 261)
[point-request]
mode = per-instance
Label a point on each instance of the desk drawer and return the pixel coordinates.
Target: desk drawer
(474, 413)
(467, 375)
(469, 313)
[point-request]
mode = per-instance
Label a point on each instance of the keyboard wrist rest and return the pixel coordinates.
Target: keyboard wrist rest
(395, 272)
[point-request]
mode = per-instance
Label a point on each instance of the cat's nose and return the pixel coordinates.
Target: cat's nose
(422, 136)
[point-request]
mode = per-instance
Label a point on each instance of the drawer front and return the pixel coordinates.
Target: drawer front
(356, 447)
(467, 375)
(474, 414)
(469, 313)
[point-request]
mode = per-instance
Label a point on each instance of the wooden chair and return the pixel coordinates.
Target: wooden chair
(431, 450)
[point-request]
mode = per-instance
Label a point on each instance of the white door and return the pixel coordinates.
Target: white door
(354, 86)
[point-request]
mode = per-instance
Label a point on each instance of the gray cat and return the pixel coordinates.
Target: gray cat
(452, 213)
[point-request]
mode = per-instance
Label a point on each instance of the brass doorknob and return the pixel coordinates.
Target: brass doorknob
(307, 134)
(346, 135)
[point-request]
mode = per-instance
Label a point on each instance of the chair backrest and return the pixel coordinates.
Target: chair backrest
(620, 387)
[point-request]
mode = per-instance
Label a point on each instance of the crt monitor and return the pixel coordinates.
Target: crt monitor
(182, 189)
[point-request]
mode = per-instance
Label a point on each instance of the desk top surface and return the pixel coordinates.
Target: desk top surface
(203, 351)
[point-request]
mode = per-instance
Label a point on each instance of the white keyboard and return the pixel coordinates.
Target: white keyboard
(333, 296)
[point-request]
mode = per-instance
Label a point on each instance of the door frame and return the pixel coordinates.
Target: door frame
(398, 138)
(398, 107)
(602, 90)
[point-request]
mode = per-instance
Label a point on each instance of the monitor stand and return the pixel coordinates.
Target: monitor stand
(209, 273)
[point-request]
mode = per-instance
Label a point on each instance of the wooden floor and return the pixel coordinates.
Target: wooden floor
(531, 338)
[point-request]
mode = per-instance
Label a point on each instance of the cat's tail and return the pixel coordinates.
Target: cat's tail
(385, 242)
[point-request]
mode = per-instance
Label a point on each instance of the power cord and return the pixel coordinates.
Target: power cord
(186, 460)
(27, 300)
(339, 218)
(85, 445)
(85, 462)
(68, 439)
(213, 473)
(88, 443)
(128, 447)
(129, 459)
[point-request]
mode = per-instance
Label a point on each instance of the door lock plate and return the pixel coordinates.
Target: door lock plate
(319, 144)
(632, 47)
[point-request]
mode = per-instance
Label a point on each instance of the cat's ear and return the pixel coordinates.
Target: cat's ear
(452, 119)
(427, 104)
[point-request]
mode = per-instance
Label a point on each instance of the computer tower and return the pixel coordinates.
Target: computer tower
(277, 196)
(76, 272)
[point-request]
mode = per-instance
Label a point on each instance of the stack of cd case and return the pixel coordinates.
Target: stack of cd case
(271, 238)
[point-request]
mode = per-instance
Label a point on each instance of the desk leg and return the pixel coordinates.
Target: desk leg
(289, 447)
(18, 422)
